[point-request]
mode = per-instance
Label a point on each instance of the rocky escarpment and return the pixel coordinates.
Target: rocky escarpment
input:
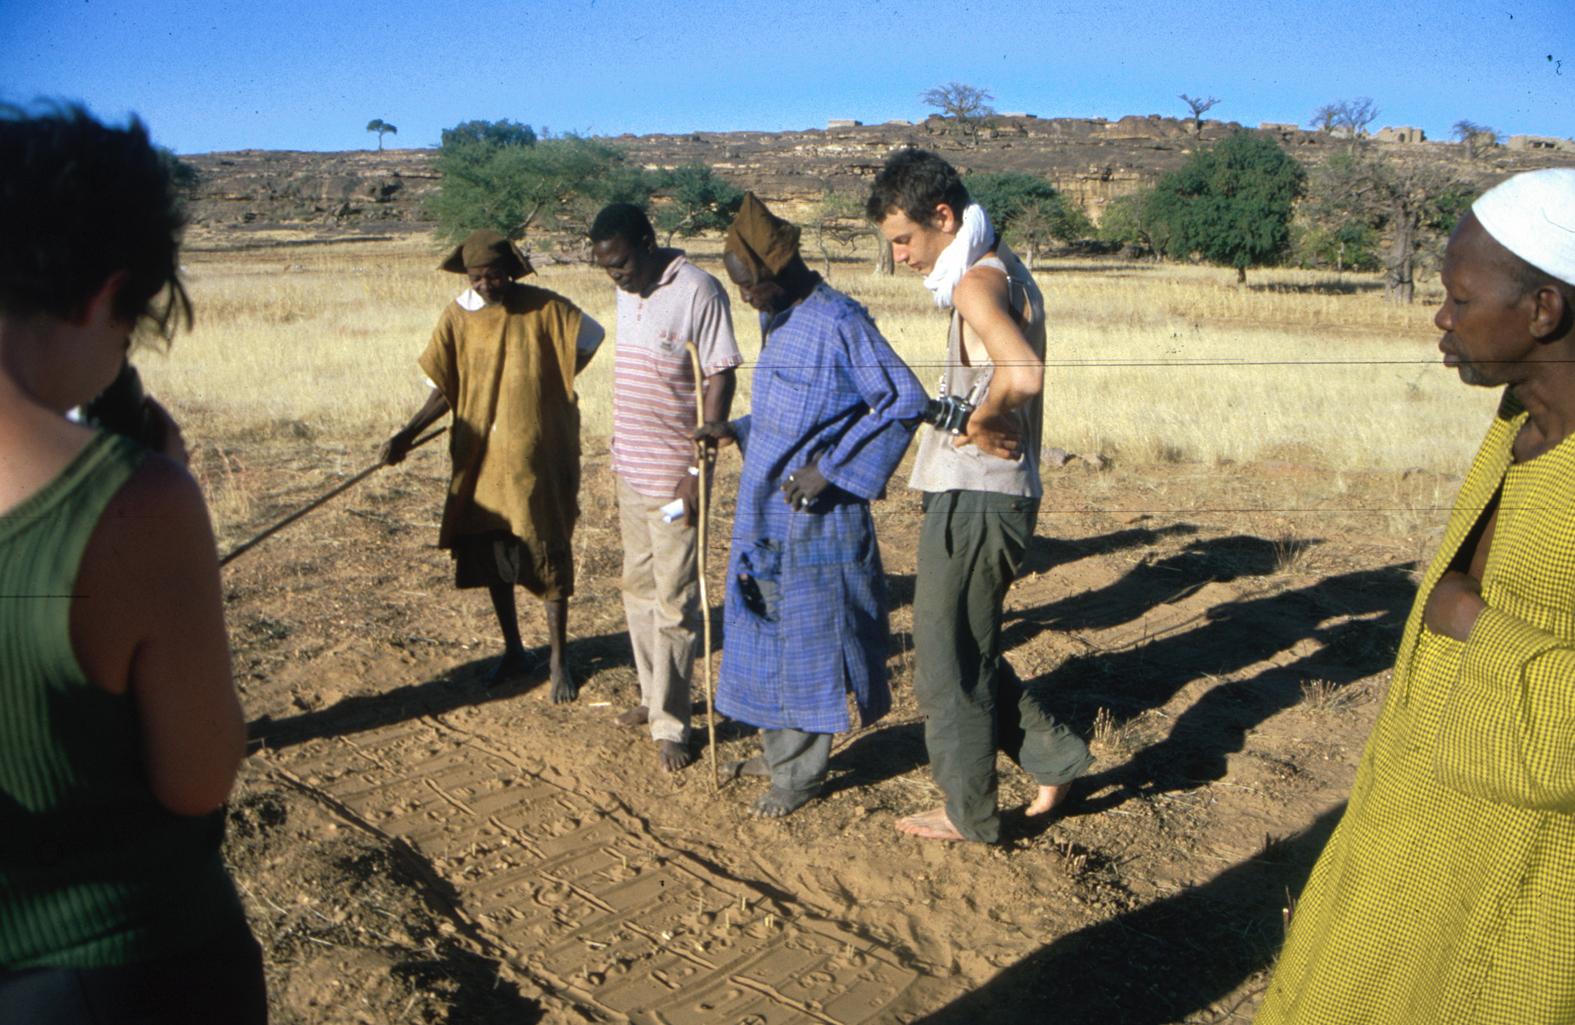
(260, 197)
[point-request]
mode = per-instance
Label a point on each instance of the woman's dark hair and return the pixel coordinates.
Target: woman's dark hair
(80, 201)
(916, 181)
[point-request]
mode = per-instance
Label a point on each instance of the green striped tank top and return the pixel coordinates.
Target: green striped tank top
(93, 870)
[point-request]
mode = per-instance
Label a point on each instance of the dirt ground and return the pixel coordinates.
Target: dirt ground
(412, 847)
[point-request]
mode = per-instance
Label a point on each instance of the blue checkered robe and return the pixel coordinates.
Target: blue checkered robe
(806, 595)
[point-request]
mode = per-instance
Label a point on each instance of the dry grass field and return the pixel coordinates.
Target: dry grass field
(1147, 363)
(1216, 609)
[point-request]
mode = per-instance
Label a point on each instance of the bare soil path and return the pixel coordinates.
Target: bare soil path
(415, 848)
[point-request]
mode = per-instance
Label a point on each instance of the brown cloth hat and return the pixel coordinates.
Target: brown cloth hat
(486, 249)
(762, 241)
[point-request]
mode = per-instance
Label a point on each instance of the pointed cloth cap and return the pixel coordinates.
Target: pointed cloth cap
(762, 241)
(1533, 216)
(486, 249)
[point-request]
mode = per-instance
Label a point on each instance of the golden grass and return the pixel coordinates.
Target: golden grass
(1147, 362)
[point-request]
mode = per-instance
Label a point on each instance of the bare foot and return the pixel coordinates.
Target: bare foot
(637, 716)
(512, 664)
(755, 766)
(672, 755)
(777, 802)
(564, 689)
(1048, 798)
(931, 825)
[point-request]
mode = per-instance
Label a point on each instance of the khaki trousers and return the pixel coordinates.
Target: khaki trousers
(661, 601)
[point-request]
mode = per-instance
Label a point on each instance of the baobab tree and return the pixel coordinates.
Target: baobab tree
(1199, 107)
(968, 105)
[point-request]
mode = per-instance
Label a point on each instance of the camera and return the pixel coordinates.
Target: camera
(948, 413)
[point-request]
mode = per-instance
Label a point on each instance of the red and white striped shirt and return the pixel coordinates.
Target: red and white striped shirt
(653, 382)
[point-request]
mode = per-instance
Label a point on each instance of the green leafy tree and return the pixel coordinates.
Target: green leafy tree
(967, 105)
(1232, 203)
(1129, 219)
(840, 221)
(382, 128)
(504, 177)
(701, 201)
(1028, 211)
(493, 134)
(1339, 244)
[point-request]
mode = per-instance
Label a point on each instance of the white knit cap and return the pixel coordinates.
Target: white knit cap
(1533, 216)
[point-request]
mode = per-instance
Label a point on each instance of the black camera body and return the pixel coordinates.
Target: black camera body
(948, 413)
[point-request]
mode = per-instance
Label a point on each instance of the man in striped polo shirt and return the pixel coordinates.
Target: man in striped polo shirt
(664, 301)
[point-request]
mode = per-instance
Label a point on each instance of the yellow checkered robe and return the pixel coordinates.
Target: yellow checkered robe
(1447, 894)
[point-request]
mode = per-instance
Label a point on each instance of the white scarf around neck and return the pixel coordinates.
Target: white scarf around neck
(973, 240)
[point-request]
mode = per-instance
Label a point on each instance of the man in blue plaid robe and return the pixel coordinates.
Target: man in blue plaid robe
(832, 411)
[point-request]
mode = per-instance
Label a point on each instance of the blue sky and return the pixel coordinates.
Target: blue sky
(310, 74)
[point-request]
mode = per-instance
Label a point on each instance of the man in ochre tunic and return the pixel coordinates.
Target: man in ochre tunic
(503, 358)
(1447, 894)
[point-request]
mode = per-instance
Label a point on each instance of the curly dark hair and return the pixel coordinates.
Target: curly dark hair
(79, 202)
(625, 221)
(916, 181)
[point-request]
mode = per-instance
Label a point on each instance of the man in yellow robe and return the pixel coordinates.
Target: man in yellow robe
(1447, 894)
(503, 360)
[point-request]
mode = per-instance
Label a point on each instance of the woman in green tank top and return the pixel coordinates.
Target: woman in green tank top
(120, 729)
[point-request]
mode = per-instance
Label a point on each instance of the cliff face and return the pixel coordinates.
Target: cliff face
(258, 197)
(254, 197)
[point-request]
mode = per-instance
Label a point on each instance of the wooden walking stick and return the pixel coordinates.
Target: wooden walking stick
(703, 452)
(346, 486)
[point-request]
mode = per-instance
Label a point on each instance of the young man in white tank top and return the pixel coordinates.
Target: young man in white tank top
(981, 499)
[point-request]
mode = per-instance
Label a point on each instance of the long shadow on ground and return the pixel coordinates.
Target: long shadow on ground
(1161, 963)
(1046, 553)
(460, 687)
(1364, 612)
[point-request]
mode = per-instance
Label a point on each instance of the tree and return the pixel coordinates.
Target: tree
(840, 220)
(492, 134)
(382, 128)
(503, 177)
(967, 105)
(1410, 206)
(1231, 203)
(1199, 106)
(1476, 138)
(1347, 118)
(701, 201)
(1028, 210)
(1334, 242)
(1129, 219)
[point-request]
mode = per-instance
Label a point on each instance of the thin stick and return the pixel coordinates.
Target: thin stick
(700, 555)
(346, 486)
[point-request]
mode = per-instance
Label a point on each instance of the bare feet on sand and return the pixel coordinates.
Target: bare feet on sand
(672, 755)
(512, 664)
(776, 802)
(755, 766)
(564, 689)
(931, 825)
(639, 715)
(1048, 798)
